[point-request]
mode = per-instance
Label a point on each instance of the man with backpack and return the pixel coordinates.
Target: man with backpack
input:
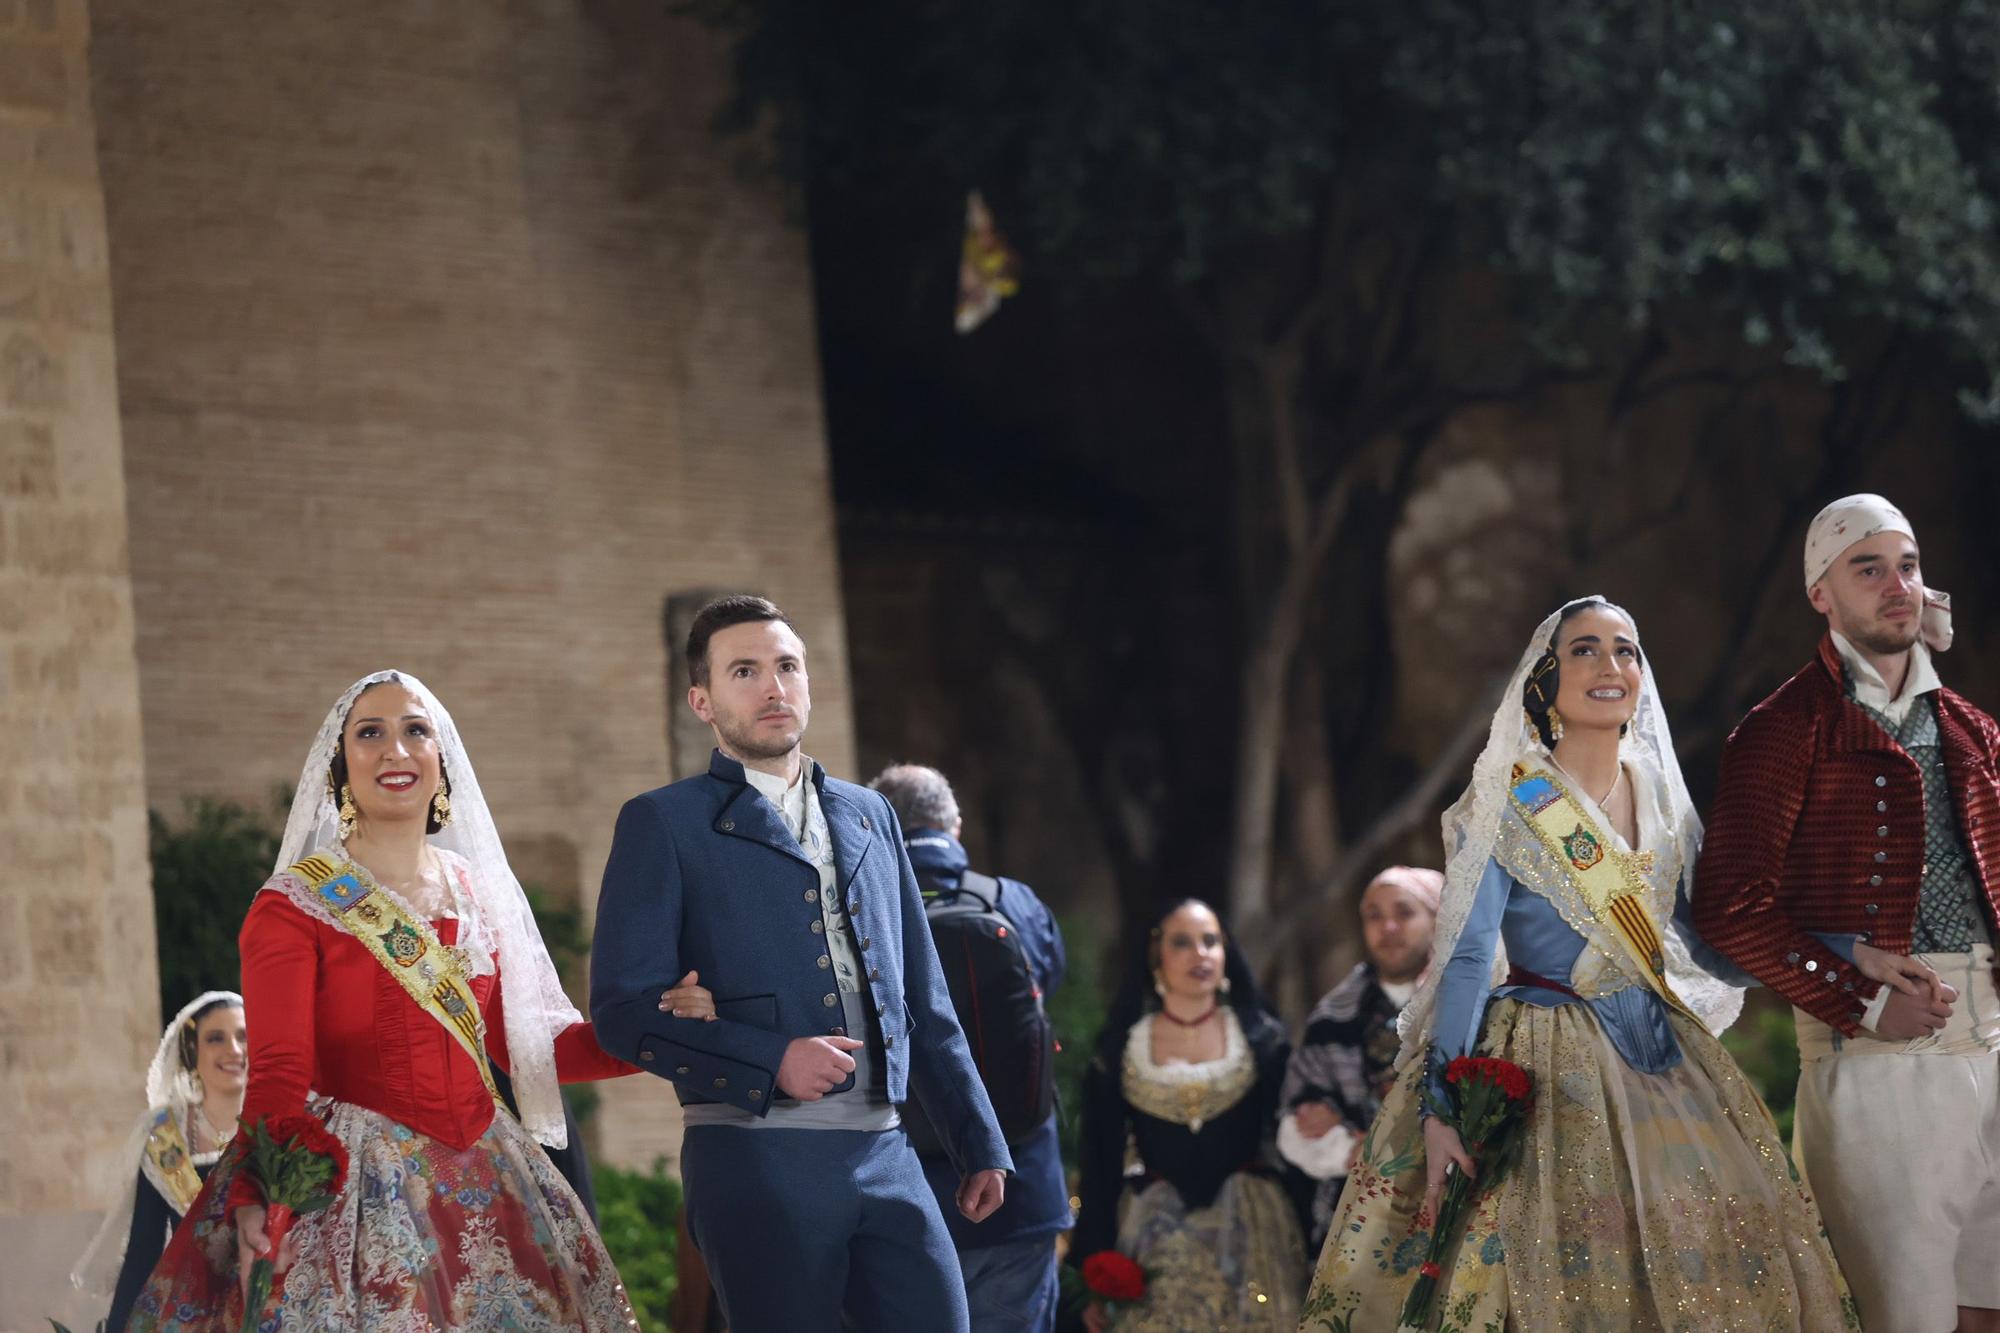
(1002, 953)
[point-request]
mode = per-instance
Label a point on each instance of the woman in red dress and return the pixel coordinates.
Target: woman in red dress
(383, 970)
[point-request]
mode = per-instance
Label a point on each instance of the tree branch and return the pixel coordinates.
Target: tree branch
(1417, 801)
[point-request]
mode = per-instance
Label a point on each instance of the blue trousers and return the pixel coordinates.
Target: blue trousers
(1011, 1287)
(798, 1226)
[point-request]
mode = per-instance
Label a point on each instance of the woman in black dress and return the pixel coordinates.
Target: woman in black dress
(1185, 1083)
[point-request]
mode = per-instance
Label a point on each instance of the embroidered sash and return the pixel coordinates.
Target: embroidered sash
(408, 950)
(167, 1164)
(1609, 882)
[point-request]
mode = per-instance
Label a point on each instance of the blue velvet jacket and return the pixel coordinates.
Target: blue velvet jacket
(703, 874)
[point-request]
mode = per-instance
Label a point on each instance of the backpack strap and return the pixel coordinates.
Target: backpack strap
(983, 889)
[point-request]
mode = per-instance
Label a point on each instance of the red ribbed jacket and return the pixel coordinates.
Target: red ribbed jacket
(323, 1014)
(1818, 825)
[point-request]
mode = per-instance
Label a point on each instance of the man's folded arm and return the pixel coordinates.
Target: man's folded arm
(635, 959)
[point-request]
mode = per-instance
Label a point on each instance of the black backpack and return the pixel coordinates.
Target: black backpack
(999, 1006)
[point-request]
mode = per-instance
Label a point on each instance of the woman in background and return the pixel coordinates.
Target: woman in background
(194, 1093)
(1187, 1071)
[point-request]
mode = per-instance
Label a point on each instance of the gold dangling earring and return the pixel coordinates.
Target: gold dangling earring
(348, 814)
(1555, 725)
(1159, 985)
(1224, 987)
(441, 805)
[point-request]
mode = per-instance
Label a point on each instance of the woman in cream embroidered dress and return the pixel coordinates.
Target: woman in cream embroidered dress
(1653, 1191)
(382, 972)
(194, 1093)
(1187, 1072)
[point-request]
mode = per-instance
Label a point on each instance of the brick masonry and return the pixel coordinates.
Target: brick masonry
(78, 1012)
(447, 338)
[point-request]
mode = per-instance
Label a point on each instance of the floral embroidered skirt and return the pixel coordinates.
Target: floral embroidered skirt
(424, 1237)
(1238, 1264)
(1640, 1202)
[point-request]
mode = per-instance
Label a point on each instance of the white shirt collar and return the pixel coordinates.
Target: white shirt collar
(789, 798)
(1871, 690)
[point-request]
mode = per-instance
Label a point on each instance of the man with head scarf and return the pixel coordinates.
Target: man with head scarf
(1852, 864)
(1344, 1064)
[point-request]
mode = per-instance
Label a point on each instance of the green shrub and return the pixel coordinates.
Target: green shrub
(1076, 1008)
(205, 872)
(638, 1214)
(1765, 1045)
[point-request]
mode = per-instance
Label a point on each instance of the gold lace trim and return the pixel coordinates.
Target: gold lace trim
(1190, 1095)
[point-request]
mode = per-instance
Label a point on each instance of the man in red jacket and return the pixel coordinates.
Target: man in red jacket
(1852, 864)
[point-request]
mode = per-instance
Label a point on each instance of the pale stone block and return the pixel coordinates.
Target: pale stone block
(31, 376)
(17, 142)
(82, 305)
(34, 77)
(66, 152)
(65, 541)
(20, 290)
(76, 230)
(24, 224)
(27, 459)
(66, 937)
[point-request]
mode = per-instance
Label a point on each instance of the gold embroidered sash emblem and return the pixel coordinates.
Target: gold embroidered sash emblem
(432, 973)
(1610, 882)
(168, 1165)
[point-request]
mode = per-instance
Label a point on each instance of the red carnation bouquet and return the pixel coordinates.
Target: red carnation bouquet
(1489, 1104)
(1114, 1278)
(293, 1166)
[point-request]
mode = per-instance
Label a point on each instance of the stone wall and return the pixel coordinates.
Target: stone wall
(78, 1008)
(451, 341)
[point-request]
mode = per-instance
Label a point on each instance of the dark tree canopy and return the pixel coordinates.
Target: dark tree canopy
(1793, 171)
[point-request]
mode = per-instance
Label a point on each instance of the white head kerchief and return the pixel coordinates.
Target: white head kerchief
(171, 1086)
(1472, 826)
(1856, 518)
(503, 924)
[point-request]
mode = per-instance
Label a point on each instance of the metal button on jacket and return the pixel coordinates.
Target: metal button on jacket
(1880, 806)
(727, 825)
(647, 1056)
(865, 825)
(1881, 781)
(866, 942)
(1872, 908)
(682, 1069)
(812, 895)
(722, 1083)
(1792, 958)
(824, 961)
(1874, 881)
(874, 974)
(829, 1000)
(887, 1042)
(1880, 857)
(1881, 830)
(1812, 964)
(756, 1094)
(817, 927)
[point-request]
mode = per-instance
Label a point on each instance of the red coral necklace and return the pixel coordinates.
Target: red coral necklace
(1195, 1022)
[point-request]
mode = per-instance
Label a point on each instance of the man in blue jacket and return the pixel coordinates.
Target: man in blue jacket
(788, 893)
(1010, 1260)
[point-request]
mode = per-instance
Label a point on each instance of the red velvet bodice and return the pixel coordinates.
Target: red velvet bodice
(324, 1015)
